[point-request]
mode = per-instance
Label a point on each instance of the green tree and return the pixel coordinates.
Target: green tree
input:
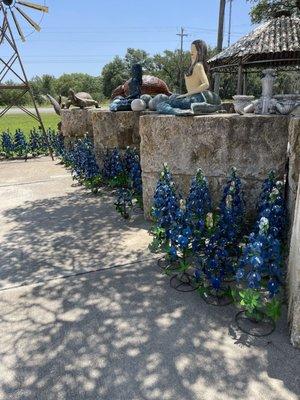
(9, 96)
(79, 83)
(42, 85)
(114, 74)
(263, 10)
(166, 66)
(134, 56)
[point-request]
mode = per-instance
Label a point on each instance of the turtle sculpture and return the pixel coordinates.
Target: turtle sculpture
(151, 85)
(56, 104)
(80, 100)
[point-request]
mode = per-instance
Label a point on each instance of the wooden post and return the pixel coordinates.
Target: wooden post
(220, 41)
(245, 83)
(240, 80)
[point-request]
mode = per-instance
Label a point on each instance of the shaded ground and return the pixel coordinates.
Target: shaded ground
(118, 333)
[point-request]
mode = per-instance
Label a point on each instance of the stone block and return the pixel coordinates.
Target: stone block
(294, 165)
(253, 144)
(115, 129)
(294, 275)
(76, 123)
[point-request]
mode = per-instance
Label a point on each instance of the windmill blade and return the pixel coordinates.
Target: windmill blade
(20, 32)
(33, 5)
(28, 19)
(4, 27)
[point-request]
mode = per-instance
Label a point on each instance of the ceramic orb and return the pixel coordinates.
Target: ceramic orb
(138, 105)
(156, 100)
(146, 98)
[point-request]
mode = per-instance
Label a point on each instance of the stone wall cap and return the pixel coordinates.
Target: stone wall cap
(106, 111)
(216, 116)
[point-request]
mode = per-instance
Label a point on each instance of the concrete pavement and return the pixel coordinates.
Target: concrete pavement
(86, 314)
(43, 110)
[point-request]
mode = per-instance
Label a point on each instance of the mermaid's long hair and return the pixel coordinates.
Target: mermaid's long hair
(201, 47)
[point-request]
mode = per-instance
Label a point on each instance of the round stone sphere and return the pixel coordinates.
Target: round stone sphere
(146, 98)
(138, 105)
(156, 100)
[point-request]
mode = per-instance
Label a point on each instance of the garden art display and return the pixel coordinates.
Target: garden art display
(198, 99)
(134, 91)
(217, 253)
(212, 251)
(18, 145)
(121, 173)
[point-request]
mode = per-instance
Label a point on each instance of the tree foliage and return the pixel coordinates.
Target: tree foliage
(113, 75)
(79, 83)
(264, 10)
(165, 66)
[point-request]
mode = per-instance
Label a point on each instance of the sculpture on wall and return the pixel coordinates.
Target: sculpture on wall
(198, 99)
(268, 103)
(56, 105)
(81, 100)
(134, 91)
(150, 85)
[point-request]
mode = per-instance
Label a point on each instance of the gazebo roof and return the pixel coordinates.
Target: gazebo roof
(274, 43)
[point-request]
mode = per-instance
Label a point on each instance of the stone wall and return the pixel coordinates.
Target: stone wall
(294, 219)
(294, 164)
(254, 144)
(294, 275)
(115, 129)
(75, 123)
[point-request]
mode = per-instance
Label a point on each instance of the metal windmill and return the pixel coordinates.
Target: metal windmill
(15, 15)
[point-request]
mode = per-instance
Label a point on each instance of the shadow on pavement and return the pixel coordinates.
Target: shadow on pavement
(125, 334)
(67, 235)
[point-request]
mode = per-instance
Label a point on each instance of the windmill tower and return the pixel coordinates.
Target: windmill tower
(15, 17)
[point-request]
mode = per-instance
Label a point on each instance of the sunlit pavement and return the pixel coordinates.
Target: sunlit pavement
(86, 314)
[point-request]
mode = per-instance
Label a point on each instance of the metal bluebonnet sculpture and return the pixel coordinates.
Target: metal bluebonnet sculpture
(85, 168)
(133, 167)
(131, 182)
(7, 144)
(198, 205)
(222, 243)
(260, 278)
(164, 211)
(20, 144)
(34, 143)
(232, 211)
(181, 250)
(120, 171)
(114, 171)
(57, 143)
(272, 205)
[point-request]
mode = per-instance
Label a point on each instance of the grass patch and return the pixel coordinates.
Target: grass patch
(12, 122)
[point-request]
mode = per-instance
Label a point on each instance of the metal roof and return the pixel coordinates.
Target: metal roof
(276, 42)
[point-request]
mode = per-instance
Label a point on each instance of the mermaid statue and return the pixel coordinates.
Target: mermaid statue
(198, 99)
(135, 91)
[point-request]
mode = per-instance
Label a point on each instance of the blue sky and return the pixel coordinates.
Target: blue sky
(82, 36)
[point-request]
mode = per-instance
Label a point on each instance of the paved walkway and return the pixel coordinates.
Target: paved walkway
(85, 313)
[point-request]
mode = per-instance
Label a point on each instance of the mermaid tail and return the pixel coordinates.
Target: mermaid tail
(206, 101)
